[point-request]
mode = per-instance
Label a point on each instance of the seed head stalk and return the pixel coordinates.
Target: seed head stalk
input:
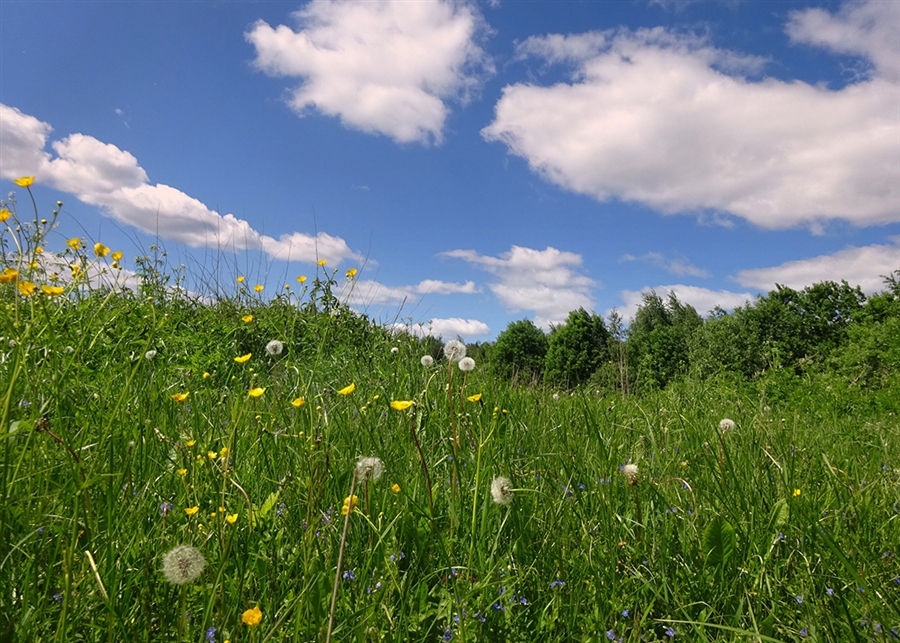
(337, 573)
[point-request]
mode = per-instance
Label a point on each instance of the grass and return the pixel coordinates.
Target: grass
(782, 529)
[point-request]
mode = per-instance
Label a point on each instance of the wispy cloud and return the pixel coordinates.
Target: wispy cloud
(679, 266)
(669, 121)
(859, 266)
(110, 178)
(449, 328)
(365, 292)
(546, 282)
(385, 66)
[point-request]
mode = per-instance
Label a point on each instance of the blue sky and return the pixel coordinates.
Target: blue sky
(478, 162)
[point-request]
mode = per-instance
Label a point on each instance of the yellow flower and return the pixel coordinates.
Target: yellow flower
(351, 273)
(256, 392)
(240, 279)
(258, 287)
(180, 397)
(191, 443)
(33, 264)
(474, 398)
(191, 510)
(74, 243)
(100, 250)
(243, 358)
(76, 270)
(298, 402)
(252, 617)
(25, 181)
(347, 390)
(206, 376)
(231, 518)
(796, 492)
(26, 287)
(401, 405)
(4, 215)
(52, 291)
(115, 264)
(287, 286)
(212, 455)
(301, 278)
(39, 250)
(223, 452)
(117, 255)
(8, 275)
(395, 488)
(247, 319)
(350, 503)
(321, 262)
(182, 472)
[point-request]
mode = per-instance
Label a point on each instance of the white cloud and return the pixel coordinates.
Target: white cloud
(103, 175)
(670, 122)
(383, 66)
(435, 287)
(679, 266)
(446, 328)
(859, 266)
(365, 292)
(702, 299)
(543, 281)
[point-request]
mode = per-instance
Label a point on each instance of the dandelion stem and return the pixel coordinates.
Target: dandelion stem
(337, 573)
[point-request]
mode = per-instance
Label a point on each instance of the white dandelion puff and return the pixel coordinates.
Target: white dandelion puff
(394, 350)
(427, 360)
(467, 364)
(150, 354)
(630, 471)
(274, 347)
(183, 564)
(454, 350)
(726, 425)
(502, 490)
(369, 468)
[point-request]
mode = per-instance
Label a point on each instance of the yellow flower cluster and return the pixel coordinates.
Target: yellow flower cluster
(350, 503)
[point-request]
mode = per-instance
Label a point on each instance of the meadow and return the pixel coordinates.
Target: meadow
(278, 468)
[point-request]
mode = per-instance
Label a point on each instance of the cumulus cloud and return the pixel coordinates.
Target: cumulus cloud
(386, 66)
(450, 328)
(702, 299)
(859, 266)
(365, 292)
(668, 121)
(678, 266)
(103, 175)
(546, 282)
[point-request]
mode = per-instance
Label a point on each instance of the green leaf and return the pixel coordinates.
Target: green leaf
(781, 513)
(718, 541)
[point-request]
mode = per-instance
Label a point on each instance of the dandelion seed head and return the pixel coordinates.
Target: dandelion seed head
(502, 490)
(467, 364)
(454, 350)
(630, 471)
(183, 564)
(150, 354)
(394, 350)
(726, 425)
(369, 468)
(274, 347)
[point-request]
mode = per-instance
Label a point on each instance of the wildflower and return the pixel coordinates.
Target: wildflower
(206, 375)
(224, 452)
(182, 472)
(100, 250)
(274, 347)
(474, 398)
(401, 405)
(240, 279)
(247, 319)
(829, 591)
(258, 287)
(117, 255)
(252, 617)
(150, 354)
(180, 397)
(467, 364)
(191, 443)
(395, 488)
(454, 350)
(726, 425)
(212, 455)
(301, 279)
(74, 243)
(76, 270)
(321, 262)
(297, 402)
(630, 471)
(231, 518)
(369, 469)
(670, 632)
(211, 635)
(394, 350)
(165, 508)
(558, 583)
(501, 490)
(351, 273)
(256, 392)
(26, 288)
(799, 600)
(347, 390)
(24, 182)
(191, 510)
(427, 360)
(348, 575)
(243, 358)
(8, 275)
(183, 564)
(4, 214)
(350, 503)
(556, 396)
(796, 492)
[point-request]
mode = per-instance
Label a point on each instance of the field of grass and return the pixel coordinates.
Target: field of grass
(137, 422)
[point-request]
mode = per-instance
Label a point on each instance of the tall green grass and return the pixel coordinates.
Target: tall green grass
(782, 529)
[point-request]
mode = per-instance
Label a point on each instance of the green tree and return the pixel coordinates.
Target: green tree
(658, 341)
(576, 349)
(518, 354)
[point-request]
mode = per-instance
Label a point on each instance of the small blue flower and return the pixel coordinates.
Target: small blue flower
(558, 583)
(803, 632)
(829, 591)
(799, 600)
(610, 635)
(625, 613)
(670, 632)
(348, 575)
(448, 634)
(211, 635)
